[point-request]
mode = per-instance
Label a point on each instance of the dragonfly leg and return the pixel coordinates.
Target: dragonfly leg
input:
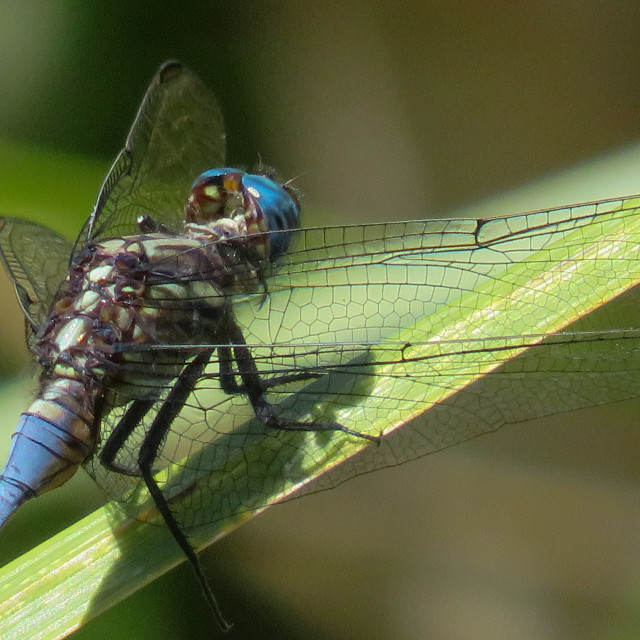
(148, 454)
(134, 414)
(254, 388)
(227, 377)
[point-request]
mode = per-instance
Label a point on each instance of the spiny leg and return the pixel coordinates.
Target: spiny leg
(254, 388)
(148, 454)
(132, 417)
(227, 376)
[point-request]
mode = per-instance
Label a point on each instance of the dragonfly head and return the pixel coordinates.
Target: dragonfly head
(271, 211)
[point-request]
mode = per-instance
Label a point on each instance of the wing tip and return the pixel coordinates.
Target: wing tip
(170, 70)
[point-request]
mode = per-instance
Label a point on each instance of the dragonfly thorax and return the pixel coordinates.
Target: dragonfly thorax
(152, 289)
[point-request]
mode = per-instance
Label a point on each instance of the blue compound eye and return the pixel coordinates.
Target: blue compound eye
(279, 208)
(265, 204)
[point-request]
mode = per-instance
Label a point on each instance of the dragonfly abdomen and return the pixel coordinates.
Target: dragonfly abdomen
(54, 437)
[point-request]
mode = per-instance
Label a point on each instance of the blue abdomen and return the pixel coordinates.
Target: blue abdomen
(49, 445)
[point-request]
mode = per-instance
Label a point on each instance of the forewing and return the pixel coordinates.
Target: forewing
(381, 322)
(36, 259)
(178, 133)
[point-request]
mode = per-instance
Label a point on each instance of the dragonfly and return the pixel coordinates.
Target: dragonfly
(201, 352)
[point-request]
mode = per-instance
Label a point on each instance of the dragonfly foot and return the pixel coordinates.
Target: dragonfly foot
(322, 427)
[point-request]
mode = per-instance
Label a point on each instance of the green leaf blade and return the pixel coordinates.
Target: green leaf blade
(56, 588)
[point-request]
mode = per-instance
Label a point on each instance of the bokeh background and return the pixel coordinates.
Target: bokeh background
(384, 110)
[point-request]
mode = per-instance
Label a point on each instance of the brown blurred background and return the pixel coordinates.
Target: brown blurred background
(385, 110)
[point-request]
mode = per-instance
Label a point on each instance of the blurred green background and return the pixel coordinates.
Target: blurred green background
(385, 110)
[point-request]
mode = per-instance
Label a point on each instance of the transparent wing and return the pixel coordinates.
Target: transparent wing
(370, 325)
(177, 134)
(36, 259)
